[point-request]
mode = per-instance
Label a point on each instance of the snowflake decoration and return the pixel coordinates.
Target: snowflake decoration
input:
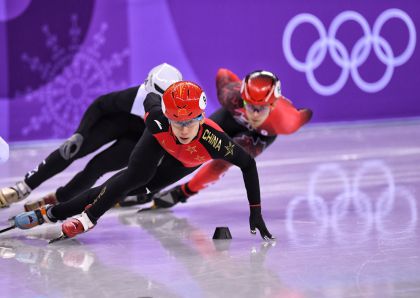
(70, 89)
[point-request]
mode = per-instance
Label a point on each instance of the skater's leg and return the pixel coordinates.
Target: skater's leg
(141, 169)
(112, 159)
(102, 133)
(78, 203)
(169, 172)
(142, 166)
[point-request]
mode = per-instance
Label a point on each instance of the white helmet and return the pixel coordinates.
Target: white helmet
(161, 77)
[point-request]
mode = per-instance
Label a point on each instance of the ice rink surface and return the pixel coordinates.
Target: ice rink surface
(341, 199)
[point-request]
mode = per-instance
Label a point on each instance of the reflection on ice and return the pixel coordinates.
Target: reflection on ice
(358, 204)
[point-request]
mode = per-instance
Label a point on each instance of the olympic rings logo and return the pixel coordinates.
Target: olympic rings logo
(349, 62)
(368, 212)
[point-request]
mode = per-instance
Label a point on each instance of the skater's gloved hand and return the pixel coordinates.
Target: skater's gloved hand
(71, 146)
(169, 198)
(256, 221)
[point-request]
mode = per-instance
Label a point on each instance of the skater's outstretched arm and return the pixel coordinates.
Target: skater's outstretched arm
(226, 149)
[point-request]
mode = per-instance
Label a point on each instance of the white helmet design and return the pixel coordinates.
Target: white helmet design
(161, 77)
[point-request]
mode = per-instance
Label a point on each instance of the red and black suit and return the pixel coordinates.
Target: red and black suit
(159, 160)
(284, 118)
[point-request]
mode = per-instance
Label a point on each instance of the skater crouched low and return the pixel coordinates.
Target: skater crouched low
(177, 140)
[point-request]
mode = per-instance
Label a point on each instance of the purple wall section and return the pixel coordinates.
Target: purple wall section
(346, 60)
(246, 35)
(4, 103)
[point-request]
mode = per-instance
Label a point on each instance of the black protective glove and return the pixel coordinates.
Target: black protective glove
(256, 221)
(71, 146)
(170, 198)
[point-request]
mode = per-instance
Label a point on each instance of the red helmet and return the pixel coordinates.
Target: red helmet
(183, 101)
(260, 88)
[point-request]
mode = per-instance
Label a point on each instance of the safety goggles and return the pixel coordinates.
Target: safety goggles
(259, 109)
(180, 124)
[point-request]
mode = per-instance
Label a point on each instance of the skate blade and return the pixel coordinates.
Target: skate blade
(153, 207)
(146, 209)
(7, 229)
(59, 238)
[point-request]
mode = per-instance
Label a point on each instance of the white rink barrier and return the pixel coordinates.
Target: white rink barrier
(4, 150)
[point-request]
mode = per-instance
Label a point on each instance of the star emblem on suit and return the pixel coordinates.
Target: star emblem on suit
(191, 149)
(200, 158)
(229, 149)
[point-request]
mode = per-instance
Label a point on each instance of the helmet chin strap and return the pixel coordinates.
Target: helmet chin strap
(202, 120)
